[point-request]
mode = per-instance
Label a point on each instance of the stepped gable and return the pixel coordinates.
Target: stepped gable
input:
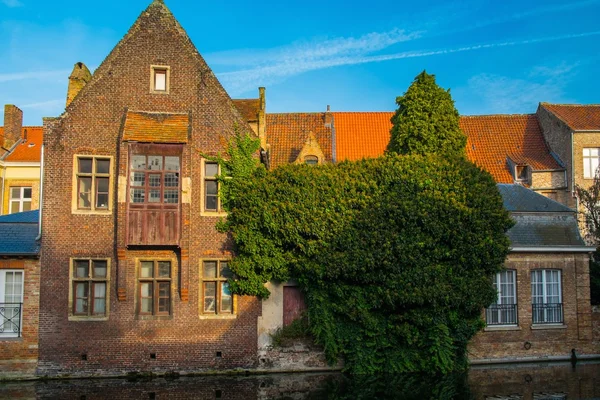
(287, 134)
(578, 117)
(492, 139)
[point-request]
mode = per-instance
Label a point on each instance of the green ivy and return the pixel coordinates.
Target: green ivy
(393, 254)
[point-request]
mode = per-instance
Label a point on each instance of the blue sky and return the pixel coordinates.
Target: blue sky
(495, 56)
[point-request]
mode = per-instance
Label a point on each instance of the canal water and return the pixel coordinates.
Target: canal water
(527, 381)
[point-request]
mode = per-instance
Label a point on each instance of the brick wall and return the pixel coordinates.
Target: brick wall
(18, 356)
(92, 125)
(527, 341)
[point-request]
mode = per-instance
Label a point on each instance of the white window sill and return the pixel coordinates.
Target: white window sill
(547, 326)
(210, 316)
(11, 338)
(84, 318)
(92, 212)
(213, 213)
(496, 328)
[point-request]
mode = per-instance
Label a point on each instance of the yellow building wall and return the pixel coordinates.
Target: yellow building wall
(19, 176)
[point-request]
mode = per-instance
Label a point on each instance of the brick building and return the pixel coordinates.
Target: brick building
(19, 293)
(543, 309)
(20, 163)
(134, 269)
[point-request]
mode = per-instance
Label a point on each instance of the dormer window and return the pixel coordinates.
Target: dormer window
(521, 173)
(159, 79)
(311, 160)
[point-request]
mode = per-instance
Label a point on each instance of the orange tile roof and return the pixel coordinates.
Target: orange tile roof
(29, 150)
(361, 135)
(579, 117)
(287, 133)
(156, 127)
(491, 139)
(248, 108)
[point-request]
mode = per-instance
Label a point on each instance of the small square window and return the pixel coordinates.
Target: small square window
(159, 79)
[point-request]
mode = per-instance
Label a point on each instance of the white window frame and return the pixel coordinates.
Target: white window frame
(21, 200)
(542, 280)
(498, 316)
(12, 313)
(154, 69)
(591, 160)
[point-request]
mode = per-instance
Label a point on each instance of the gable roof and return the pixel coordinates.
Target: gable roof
(288, 132)
(361, 135)
(156, 127)
(491, 139)
(540, 222)
(19, 232)
(29, 150)
(578, 117)
(248, 108)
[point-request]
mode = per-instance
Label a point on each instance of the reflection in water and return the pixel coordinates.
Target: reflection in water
(536, 382)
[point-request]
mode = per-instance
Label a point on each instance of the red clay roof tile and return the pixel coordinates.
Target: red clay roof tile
(287, 133)
(29, 150)
(491, 139)
(156, 127)
(248, 108)
(579, 117)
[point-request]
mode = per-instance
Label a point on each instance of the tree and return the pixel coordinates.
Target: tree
(590, 199)
(426, 121)
(393, 254)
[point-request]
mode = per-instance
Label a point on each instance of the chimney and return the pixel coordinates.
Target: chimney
(262, 118)
(13, 123)
(78, 79)
(328, 117)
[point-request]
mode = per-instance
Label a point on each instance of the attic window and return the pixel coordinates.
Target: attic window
(159, 79)
(311, 160)
(521, 173)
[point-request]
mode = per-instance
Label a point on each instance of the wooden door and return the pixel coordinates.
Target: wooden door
(293, 304)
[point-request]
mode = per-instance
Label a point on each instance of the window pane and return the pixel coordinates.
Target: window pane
(147, 269)
(99, 306)
(171, 196)
(172, 179)
(81, 298)
(163, 297)
(209, 296)
(137, 179)
(27, 193)
(15, 193)
(226, 298)
(210, 269)
(211, 203)
(102, 185)
(26, 206)
(172, 163)
(14, 207)
(160, 80)
(154, 196)
(146, 297)
(211, 169)
(155, 162)
(137, 195)
(85, 188)
(102, 166)
(82, 269)
(154, 180)
(102, 201)
(164, 269)
(85, 165)
(99, 268)
(224, 271)
(311, 160)
(211, 188)
(138, 162)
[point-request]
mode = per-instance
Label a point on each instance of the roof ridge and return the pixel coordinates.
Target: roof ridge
(570, 104)
(498, 115)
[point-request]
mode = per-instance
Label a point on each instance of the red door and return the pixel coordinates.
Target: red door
(293, 304)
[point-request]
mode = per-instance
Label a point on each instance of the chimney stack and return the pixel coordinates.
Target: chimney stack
(328, 117)
(262, 118)
(78, 79)
(13, 123)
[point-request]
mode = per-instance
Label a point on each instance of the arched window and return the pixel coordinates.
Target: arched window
(311, 160)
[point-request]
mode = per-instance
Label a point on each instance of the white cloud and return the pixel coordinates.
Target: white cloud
(314, 58)
(12, 3)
